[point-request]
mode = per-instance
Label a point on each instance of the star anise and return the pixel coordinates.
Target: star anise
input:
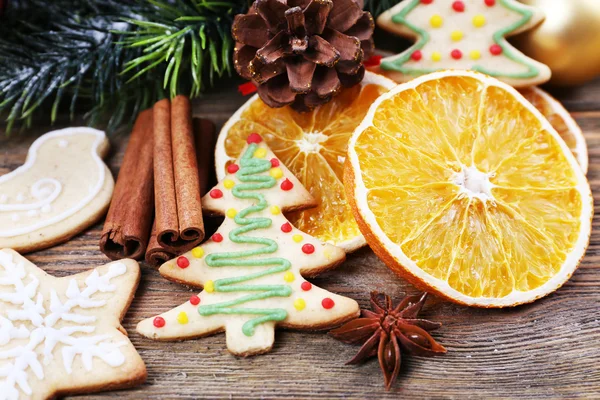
(386, 331)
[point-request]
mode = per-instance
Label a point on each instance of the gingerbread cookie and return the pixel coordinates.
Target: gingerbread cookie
(252, 269)
(63, 187)
(62, 336)
(463, 34)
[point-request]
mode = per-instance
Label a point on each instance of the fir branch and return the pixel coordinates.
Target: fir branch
(64, 53)
(188, 38)
(377, 7)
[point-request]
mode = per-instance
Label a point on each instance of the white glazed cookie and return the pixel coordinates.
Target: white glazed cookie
(63, 187)
(463, 34)
(251, 269)
(62, 336)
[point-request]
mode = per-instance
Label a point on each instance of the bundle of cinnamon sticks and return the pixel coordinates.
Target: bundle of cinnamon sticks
(156, 211)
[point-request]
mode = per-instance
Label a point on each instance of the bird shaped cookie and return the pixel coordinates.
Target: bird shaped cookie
(63, 188)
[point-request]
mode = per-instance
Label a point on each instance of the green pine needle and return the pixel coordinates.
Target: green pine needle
(189, 37)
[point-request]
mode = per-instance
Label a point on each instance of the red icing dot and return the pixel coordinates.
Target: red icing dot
(373, 61)
(233, 168)
(416, 55)
(327, 303)
(217, 237)
(458, 6)
(287, 185)
(426, 1)
(456, 54)
(496, 49)
(216, 194)
(159, 322)
(274, 162)
(308, 248)
(490, 3)
(195, 300)
(183, 262)
(306, 286)
(286, 228)
(254, 138)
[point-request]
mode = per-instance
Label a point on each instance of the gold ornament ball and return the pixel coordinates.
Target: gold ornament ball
(568, 40)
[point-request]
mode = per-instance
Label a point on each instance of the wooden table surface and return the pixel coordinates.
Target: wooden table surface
(549, 349)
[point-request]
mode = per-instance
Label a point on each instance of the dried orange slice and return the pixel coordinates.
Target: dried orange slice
(313, 146)
(462, 187)
(562, 121)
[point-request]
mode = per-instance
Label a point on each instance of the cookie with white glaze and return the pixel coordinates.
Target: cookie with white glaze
(61, 336)
(252, 270)
(463, 34)
(63, 188)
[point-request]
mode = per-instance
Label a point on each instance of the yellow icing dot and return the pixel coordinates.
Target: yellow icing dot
(475, 55)
(275, 210)
(436, 56)
(198, 252)
(299, 304)
(209, 286)
(260, 152)
(231, 213)
(289, 277)
(228, 183)
(276, 172)
(327, 254)
(436, 21)
(297, 238)
(182, 318)
(456, 36)
(478, 21)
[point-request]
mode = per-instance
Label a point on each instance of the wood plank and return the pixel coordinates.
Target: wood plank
(548, 349)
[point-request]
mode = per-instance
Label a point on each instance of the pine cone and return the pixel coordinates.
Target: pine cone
(302, 52)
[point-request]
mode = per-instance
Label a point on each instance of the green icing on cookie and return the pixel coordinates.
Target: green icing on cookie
(397, 63)
(253, 182)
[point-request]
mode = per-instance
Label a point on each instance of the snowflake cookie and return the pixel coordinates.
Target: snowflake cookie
(463, 34)
(252, 269)
(63, 336)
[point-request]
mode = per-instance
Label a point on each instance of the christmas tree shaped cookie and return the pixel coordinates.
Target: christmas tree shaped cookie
(252, 269)
(62, 336)
(463, 34)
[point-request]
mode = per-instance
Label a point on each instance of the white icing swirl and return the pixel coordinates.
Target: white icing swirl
(46, 190)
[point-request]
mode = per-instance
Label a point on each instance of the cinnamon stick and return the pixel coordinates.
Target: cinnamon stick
(127, 226)
(179, 223)
(155, 254)
(205, 140)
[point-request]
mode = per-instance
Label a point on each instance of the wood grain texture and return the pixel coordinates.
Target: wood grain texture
(549, 349)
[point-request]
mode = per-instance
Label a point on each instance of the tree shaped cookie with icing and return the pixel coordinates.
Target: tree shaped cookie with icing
(63, 187)
(63, 336)
(252, 269)
(463, 34)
